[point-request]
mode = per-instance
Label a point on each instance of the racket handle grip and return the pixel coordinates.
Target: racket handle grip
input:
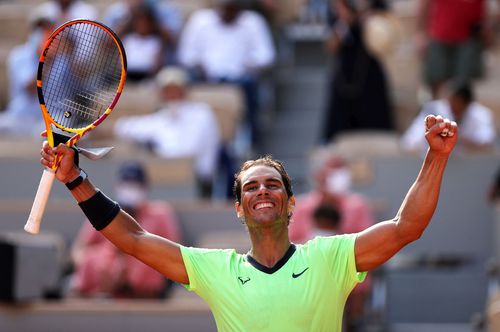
(42, 196)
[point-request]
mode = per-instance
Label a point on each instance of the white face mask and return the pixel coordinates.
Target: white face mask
(338, 181)
(130, 194)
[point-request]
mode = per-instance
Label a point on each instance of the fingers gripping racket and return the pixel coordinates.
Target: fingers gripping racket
(81, 73)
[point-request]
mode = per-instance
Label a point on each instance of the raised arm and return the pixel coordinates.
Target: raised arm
(123, 231)
(377, 244)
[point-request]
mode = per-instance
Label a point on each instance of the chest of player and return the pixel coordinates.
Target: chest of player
(294, 292)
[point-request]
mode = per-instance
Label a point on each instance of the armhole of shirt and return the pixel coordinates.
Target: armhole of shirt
(359, 276)
(189, 269)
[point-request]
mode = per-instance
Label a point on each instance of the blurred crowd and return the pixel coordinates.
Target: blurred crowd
(237, 42)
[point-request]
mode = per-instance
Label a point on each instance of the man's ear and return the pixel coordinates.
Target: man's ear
(239, 210)
(291, 205)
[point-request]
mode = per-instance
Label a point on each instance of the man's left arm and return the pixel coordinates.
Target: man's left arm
(377, 244)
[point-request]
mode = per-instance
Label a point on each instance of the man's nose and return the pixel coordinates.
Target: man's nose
(263, 190)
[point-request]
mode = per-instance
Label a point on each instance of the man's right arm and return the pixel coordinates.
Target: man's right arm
(123, 231)
(161, 254)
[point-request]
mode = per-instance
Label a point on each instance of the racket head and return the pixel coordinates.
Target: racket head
(81, 73)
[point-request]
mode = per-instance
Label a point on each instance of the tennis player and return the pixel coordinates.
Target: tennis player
(277, 285)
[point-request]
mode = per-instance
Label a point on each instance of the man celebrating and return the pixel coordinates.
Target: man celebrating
(277, 285)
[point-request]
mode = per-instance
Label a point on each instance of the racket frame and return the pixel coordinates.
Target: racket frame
(48, 120)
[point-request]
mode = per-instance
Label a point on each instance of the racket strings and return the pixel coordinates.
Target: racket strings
(82, 73)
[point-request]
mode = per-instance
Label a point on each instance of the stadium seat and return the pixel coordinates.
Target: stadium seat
(367, 143)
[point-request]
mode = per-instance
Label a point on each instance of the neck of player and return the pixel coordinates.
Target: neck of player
(269, 244)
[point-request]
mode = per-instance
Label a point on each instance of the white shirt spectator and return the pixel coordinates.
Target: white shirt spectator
(226, 50)
(477, 125)
(142, 51)
(23, 115)
(181, 129)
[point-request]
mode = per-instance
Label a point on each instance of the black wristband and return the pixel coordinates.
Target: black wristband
(100, 210)
(76, 182)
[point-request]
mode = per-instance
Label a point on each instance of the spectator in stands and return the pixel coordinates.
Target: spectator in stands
(332, 181)
(451, 38)
(67, 10)
(23, 115)
(169, 17)
(476, 121)
(229, 44)
(359, 95)
(181, 128)
(102, 270)
(326, 221)
(145, 44)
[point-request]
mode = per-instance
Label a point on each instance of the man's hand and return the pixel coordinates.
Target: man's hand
(441, 134)
(67, 170)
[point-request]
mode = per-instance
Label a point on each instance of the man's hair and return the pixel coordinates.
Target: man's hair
(262, 161)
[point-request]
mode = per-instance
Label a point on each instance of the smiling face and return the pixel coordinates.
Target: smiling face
(264, 199)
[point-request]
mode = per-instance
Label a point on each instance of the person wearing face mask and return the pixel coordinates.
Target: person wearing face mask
(332, 186)
(103, 271)
(22, 116)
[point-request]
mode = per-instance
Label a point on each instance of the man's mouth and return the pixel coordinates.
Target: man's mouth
(263, 205)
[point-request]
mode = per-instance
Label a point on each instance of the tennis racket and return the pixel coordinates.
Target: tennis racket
(81, 73)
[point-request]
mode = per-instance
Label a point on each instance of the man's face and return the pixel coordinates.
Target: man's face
(173, 92)
(229, 12)
(264, 199)
(142, 25)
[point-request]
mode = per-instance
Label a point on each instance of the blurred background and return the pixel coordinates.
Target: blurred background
(336, 89)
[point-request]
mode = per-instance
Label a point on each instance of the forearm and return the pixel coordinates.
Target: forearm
(128, 236)
(84, 191)
(421, 200)
(123, 225)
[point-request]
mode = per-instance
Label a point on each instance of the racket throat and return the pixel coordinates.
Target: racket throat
(60, 136)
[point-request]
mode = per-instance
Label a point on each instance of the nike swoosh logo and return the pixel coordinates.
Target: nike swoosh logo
(243, 280)
(299, 274)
